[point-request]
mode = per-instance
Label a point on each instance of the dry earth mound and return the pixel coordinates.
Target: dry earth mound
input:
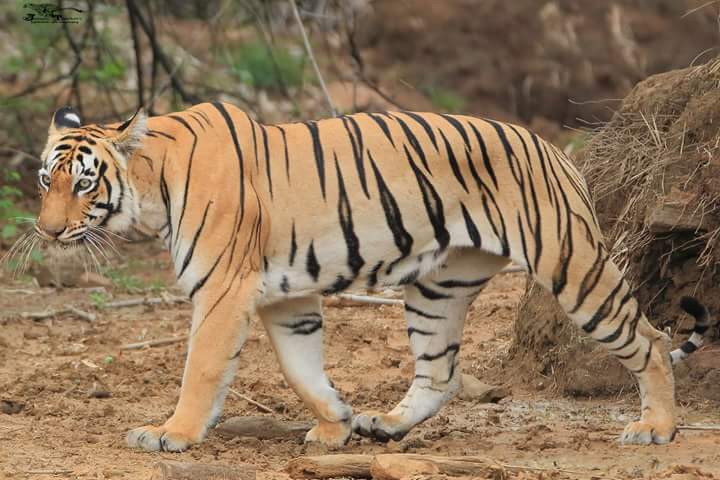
(654, 171)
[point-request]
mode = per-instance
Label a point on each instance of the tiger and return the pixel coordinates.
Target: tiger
(262, 220)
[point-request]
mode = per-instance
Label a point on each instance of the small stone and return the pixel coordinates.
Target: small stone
(11, 407)
(477, 391)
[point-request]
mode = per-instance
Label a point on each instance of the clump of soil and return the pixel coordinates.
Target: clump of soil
(655, 176)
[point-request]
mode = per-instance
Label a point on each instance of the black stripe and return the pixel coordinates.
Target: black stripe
(200, 283)
(372, 276)
(414, 142)
(307, 325)
(424, 124)
(357, 148)
(453, 163)
(311, 264)
(424, 333)
(393, 217)
(458, 126)
(429, 293)
(319, 157)
(191, 250)
(486, 158)
(293, 245)
(285, 148)
(268, 172)
(165, 195)
(285, 284)
(189, 169)
(417, 311)
(162, 134)
(255, 145)
(472, 230)
(462, 283)
(590, 280)
(383, 126)
(433, 204)
(428, 357)
(355, 261)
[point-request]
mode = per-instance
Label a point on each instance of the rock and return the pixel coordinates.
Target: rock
(91, 279)
(11, 407)
(477, 391)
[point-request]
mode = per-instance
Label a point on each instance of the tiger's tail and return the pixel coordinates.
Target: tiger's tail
(702, 323)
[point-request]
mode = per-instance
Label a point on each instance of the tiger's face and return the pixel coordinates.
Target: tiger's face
(83, 179)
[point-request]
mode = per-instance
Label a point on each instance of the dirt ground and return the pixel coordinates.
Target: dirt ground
(48, 369)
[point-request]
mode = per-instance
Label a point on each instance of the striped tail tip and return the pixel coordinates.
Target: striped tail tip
(702, 323)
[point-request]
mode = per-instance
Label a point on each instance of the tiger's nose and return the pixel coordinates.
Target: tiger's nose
(52, 231)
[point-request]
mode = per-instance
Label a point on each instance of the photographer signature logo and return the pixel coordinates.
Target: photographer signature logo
(49, 13)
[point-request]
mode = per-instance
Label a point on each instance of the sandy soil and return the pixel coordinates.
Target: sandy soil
(48, 369)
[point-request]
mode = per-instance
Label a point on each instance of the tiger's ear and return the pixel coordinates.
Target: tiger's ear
(64, 119)
(130, 133)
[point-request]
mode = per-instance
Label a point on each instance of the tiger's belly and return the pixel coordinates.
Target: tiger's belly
(320, 272)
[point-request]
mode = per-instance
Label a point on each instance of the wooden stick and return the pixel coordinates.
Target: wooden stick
(90, 317)
(154, 343)
(262, 407)
(264, 428)
(309, 51)
(699, 427)
(134, 302)
(49, 472)
(329, 466)
(371, 300)
(172, 470)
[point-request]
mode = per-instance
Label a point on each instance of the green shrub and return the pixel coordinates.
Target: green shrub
(264, 67)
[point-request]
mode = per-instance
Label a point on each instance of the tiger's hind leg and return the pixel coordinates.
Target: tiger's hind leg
(295, 329)
(435, 309)
(594, 294)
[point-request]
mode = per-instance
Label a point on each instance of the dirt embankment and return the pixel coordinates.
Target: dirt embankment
(655, 174)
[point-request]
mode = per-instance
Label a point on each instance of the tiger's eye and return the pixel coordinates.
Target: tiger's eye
(45, 180)
(84, 184)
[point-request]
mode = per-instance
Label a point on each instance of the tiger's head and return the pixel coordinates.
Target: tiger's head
(83, 179)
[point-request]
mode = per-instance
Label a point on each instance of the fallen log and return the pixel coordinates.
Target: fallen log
(263, 428)
(397, 466)
(329, 466)
(171, 470)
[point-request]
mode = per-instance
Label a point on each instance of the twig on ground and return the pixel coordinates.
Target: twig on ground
(158, 342)
(262, 407)
(90, 317)
(370, 300)
(134, 302)
(715, 428)
(308, 48)
(49, 472)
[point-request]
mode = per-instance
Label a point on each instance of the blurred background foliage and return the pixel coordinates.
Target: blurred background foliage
(547, 64)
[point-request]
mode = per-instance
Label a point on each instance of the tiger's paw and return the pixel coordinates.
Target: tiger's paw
(159, 439)
(380, 427)
(645, 433)
(331, 434)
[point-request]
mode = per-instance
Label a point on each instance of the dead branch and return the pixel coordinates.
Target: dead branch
(330, 466)
(309, 51)
(154, 343)
(172, 470)
(712, 428)
(90, 317)
(134, 302)
(262, 407)
(160, 55)
(370, 300)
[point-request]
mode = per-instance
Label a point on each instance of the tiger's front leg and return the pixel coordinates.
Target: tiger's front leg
(295, 329)
(220, 326)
